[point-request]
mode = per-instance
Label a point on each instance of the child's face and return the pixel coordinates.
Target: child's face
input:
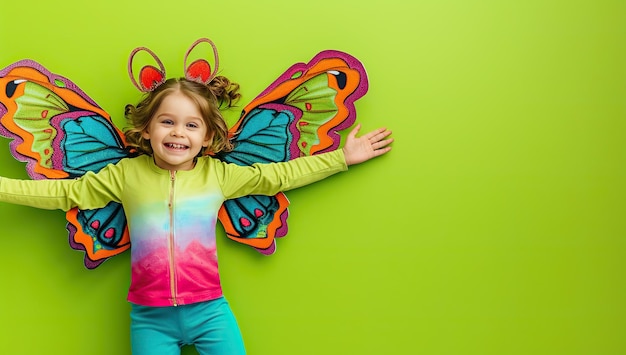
(177, 133)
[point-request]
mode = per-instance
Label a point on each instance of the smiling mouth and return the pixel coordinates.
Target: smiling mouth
(176, 146)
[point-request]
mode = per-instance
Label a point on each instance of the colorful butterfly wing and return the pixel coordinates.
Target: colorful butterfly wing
(89, 144)
(61, 133)
(302, 113)
(100, 233)
(256, 220)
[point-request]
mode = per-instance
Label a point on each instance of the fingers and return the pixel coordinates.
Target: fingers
(379, 142)
(367, 146)
(378, 134)
(354, 131)
(379, 152)
(382, 144)
(378, 139)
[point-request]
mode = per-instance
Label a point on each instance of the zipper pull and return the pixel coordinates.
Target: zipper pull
(172, 181)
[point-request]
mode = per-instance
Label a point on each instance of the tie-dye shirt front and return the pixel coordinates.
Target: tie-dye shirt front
(173, 254)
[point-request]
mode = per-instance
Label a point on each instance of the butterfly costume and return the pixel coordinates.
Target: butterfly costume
(62, 134)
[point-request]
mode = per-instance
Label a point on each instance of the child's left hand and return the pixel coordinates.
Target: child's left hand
(373, 144)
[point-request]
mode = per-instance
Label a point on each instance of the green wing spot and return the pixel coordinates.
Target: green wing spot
(59, 83)
(316, 100)
(34, 110)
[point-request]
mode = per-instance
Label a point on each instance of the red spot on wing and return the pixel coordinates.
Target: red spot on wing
(244, 222)
(110, 233)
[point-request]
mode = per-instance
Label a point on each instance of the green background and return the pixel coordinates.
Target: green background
(495, 226)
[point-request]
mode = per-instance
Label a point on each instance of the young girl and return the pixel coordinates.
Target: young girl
(171, 194)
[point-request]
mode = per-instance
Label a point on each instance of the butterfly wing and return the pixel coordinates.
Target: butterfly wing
(301, 113)
(256, 220)
(61, 133)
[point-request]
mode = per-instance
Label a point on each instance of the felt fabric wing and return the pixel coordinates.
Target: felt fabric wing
(62, 133)
(301, 113)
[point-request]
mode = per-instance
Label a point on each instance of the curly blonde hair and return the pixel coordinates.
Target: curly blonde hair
(220, 93)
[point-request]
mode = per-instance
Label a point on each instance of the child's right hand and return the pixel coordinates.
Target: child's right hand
(371, 145)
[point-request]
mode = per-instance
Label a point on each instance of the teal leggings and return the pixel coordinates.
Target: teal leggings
(210, 326)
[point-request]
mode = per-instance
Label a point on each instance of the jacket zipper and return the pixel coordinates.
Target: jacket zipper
(171, 239)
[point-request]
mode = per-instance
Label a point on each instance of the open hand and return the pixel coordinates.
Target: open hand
(373, 144)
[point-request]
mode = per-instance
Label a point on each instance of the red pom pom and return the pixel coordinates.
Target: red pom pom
(200, 69)
(150, 77)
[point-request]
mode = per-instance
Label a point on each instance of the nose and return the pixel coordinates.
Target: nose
(177, 131)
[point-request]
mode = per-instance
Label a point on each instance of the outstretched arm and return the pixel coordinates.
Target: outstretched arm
(90, 191)
(366, 147)
(270, 178)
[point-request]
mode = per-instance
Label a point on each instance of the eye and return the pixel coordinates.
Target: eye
(167, 122)
(193, 125)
